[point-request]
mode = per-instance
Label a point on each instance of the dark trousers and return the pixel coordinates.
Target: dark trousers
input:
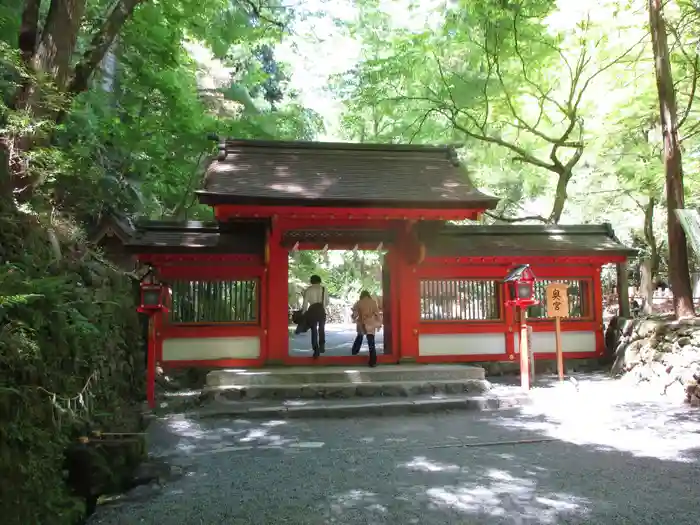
(370, 343)
(316, 319)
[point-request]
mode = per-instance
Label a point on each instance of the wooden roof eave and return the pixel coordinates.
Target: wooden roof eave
(615, 254)
(480, 202)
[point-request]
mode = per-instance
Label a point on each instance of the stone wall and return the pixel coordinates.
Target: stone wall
(542, 366)
(661, 352)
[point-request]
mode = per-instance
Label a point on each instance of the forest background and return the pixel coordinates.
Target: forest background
(570, 112)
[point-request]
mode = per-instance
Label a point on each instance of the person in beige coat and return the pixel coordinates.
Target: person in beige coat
(368, 320)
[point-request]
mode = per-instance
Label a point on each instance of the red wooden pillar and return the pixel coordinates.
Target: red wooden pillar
(153, 336)
(510, 322)
(389, 306)
(160, 322)
(275, 297)
(597, 296)
(525, 350)
(408, 296)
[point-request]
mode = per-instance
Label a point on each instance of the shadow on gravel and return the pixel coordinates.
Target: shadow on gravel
(574, 456)
(591, 475)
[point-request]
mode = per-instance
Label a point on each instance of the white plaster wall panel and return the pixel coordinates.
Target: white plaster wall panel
(203, 348)
(545, 342)
(461, 344)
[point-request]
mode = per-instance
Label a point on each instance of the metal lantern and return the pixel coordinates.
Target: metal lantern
(153, 295)
(520, 285)
(525, 290)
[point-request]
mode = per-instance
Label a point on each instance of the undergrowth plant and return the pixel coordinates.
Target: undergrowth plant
(70, 357)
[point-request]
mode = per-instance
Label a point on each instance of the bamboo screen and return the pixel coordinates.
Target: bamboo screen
(214, 301)
(460, 300)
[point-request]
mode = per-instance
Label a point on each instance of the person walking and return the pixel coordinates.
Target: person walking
(314, 308)
(368, 320)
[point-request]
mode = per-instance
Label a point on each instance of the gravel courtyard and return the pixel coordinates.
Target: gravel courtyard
(571, 457)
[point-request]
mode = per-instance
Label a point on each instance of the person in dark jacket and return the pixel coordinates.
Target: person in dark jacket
(314, 308)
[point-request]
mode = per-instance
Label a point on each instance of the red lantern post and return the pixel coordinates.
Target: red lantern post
(520, 291)
(154, 300)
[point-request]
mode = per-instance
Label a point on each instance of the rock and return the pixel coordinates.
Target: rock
(394, 390)
(628, 327)
(647, 327)
(661, 352)
(231, 394)
(367, 390)
(143, 491)
(658, 369)
(147, 472)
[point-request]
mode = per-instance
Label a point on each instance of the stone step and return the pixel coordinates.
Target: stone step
(345, 390)
(315, 375)
(342, 408)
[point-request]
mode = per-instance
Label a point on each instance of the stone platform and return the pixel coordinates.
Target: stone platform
(335, 382)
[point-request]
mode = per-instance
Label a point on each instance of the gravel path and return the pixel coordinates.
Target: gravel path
(339, 339)
(630, 462)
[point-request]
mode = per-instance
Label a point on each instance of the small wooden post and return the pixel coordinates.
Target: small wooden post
(558, 307)
(524, 351)
(531, 356)
(560, 352)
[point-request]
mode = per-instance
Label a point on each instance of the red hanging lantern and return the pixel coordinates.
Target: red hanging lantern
(154, 295)
(520, 287)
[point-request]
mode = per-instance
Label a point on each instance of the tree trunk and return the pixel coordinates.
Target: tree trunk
(646, 286)
(29, 30)
(679, 274)
(623, 290)
(560, 197)
(650, 237)
(100, 44)
(6, 187)
(57, 43)
(52, 58)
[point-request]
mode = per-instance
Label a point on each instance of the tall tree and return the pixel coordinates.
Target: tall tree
(679, 273)
(60, 52)
(494, 77)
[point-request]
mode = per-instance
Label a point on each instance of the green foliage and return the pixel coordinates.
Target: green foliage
(135, 142)
(344, 273)
(527, 89)
(70, 353)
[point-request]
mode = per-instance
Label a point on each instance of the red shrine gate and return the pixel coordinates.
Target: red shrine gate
(443, 290)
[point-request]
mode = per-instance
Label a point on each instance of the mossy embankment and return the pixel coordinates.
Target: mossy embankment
(71, 356)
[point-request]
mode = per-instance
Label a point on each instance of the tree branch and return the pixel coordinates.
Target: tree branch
(256, 11)
(522, 123)
(100, 44)
(603, 69)
(537, 87)
(29, 30)
(521, 154)
(695, 61)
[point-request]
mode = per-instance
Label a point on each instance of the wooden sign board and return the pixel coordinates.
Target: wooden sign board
(558, 307)
(557, 300)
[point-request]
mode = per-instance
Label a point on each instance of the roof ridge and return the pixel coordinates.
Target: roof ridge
(230, 144)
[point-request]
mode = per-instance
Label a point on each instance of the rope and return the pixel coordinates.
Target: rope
(73, 404)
